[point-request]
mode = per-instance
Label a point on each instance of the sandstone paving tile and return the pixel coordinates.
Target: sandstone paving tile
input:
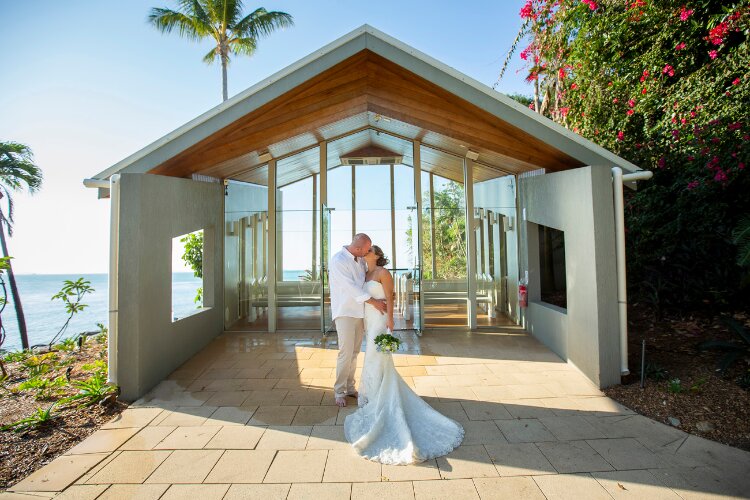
(257, 492)
(85, 478)
(241, 466)
(253, 372)
(134, 492)
(485, 411)
(424, 471)
(573, 456)
(273, 415)
(466, 462)
(236, 437)
(625, 453)
(634, 484)
(482, 432)
(344, 412)
(452, 410)
(494, 393)
(527, 408)
(316, 415)
(103, 440)
(344, 465)
(730, 461)
(519, 459)
(502, 488)
(202, 491)
(327, 437)
(384, 490)
(293, 383)
(80, 492)
(256, 384)
(421, 360)
(185, 466)
(187, 438)
(297, 466)
(186, 416)
(524, 430)
(303, 397)
(147, 438)
(611, 426)
(650, 433)
(573, 388)
(133, 417)
(602, 406)
(285, 437)
(130, 467)
(700, 483)
(59, 473)
(455, 394)
(231, 415)
(316, 491)
(569, 486)
(441, 490)
(564, 407)
(266, 397)
(37, 495)
(227, 398)
(571, 428)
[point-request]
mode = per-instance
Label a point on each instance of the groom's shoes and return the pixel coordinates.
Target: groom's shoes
(341, 402)
(354, 394)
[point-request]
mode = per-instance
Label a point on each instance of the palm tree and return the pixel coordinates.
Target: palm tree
(221, 20)
(17, 169)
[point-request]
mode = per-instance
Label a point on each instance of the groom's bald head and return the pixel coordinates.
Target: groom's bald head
(360, 245)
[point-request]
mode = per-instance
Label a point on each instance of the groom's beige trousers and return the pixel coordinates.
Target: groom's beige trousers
(350, 331)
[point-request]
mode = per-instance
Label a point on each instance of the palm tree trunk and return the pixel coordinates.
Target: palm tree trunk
(14, 292)
(224, 92)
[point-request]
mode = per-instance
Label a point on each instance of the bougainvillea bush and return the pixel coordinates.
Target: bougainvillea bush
(666, 85)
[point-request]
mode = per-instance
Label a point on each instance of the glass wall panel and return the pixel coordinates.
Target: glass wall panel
(245, 256)
(445, 285)
(496, 266)
(298, 284)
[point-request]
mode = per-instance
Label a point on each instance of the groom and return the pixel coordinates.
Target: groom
(346, 275)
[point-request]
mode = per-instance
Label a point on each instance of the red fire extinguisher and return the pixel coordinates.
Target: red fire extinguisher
(523, 295)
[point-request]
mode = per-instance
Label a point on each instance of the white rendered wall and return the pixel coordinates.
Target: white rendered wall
(153, 210)
(579, 203)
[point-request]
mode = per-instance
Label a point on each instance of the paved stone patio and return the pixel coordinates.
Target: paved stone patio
(252, 417)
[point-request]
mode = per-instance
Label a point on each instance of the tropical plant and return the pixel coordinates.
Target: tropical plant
(4, 265)
(674, 386)
(193, 257)
(71, 294)
(733, 350)
(741, 238)
(664, 84)
(223, 21)
(17, 171)
(93, 390)
(68, 344)
(39, 364)
(37, 419)
(44, 388)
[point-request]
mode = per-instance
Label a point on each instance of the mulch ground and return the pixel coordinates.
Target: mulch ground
(710, 404)
(22, 453)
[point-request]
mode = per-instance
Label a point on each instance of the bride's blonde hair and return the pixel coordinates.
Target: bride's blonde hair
(382, 261)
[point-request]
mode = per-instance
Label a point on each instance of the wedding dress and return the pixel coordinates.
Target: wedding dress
(393, 425)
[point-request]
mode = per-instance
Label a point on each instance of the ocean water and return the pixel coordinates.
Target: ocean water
(45, 317)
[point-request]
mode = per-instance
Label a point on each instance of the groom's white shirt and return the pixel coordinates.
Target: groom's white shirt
(346, 276)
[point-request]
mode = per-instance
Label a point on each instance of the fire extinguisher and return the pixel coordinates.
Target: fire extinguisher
(523, 295)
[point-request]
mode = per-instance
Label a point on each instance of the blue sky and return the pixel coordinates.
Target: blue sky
(86, 83)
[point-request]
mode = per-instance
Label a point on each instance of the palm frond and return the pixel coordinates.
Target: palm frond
(243, 46)
(261, 23)
(166, 20)
(210, 56)
(741, 238)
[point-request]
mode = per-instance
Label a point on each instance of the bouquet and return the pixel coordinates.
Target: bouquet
(386, 342)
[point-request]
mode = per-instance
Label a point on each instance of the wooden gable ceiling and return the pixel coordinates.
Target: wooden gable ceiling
(364, 82)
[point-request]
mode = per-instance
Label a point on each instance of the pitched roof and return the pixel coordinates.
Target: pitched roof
(544, 140)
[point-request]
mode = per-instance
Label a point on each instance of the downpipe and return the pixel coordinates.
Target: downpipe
(622, 292)
(114, 259)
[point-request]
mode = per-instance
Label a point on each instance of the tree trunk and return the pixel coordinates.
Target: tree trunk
(14, 292)
(224, 92)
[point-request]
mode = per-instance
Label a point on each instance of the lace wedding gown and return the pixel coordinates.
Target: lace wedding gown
(393, 425)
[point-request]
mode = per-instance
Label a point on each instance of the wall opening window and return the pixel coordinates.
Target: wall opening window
(552, 267)
(187, 274)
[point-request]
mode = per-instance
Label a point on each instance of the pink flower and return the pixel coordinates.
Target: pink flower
(527, 10)
(679, 46)
(662, 162)
(736, 81)
(685, 13)
(713, 54)
(692, 114)
(631, 103)
(644, 75)
(620, 135)
(741, 166)
(564, 111)
(668, 70)
(717, 34)
(614, 100)
(644, 91)
(629, 112)
(693, 184)
(720, 176)
(531, 106)
(734, 126)
(573, 86)
(591, 3)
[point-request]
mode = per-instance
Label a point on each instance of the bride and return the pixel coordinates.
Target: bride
(392, 425)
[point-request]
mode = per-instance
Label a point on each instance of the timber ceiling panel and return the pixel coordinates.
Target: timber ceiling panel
(363, 90)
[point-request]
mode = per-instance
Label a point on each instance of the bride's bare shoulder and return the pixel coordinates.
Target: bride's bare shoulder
(383, 273)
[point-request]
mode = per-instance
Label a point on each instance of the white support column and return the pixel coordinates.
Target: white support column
(432, 226)
(471, 252)
(323, 202)
(417, 155)
(354, 203)
(393, 220)
(271, 246)
(314, 263)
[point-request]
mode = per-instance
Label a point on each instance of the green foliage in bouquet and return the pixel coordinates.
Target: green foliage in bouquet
(387, 343)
